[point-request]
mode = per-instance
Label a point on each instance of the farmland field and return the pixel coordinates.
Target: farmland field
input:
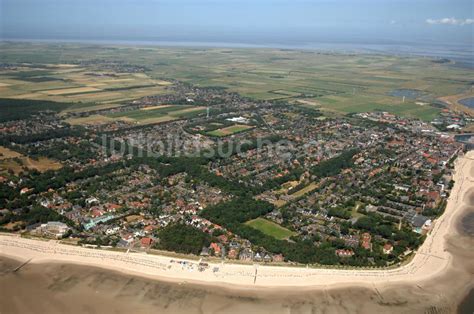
(67, 91)
(74, 83)
(270, 228)
(155, 107)
(90, 107)
(333, 82)
(92, 119)
(157, 114)
(145, 114)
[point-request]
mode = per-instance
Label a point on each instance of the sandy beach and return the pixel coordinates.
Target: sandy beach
(438, 277)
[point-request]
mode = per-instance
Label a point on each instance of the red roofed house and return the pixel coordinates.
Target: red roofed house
(233, 254)
(137, 205)
(146, 242)
(96, 212)
(112, 207)
(278, 258)
(25, 190)
(366, 241)
(223, 238)
(180, 203)
(433, 196)
(149, 228)
(216, 248)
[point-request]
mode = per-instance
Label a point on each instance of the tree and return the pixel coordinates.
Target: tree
(182, 239)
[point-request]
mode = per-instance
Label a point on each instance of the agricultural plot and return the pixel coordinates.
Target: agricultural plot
(158, 114)
(155, 107)
(336, 83)
(233, 129)
(270, 228)
(86, 107)
(72, 83)
(140, 114)
(94, 119)
(69, 91)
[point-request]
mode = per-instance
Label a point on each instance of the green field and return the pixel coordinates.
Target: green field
(229, 130)
(167, 113)
(146, 114)
(270, 228)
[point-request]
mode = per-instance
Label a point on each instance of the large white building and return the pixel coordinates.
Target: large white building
(54, 229)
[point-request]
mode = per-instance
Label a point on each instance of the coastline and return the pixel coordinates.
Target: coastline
(459, 54)
(453, 101)
(431, 260)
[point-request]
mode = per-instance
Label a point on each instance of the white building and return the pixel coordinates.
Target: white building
(52, 229)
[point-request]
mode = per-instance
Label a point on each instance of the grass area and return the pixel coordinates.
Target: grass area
(285, 188)
(17, 164)
(453, 101)
(310, 187)
(92, 120)
(147, 114)
(270, 228)
(233, 129)
(188, 113)
(365, 104)
(81, 107)
(158, 114)
(6, 153)
(67, 91)
(41, 164)
(354, 210)
(157, 120)
(155, 107)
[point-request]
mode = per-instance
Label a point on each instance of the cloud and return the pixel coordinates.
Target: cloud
(393, 22)
(450, 21)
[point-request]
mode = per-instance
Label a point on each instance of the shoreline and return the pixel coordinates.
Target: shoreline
(458, 55)
(453, 101)
(431, 260)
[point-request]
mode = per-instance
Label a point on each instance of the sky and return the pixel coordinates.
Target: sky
(445, 22)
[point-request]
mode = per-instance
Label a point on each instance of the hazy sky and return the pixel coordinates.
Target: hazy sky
(258, 21)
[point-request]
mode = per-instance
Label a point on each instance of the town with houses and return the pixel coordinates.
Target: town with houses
(242, 180)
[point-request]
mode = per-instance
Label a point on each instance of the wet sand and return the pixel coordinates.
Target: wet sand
(60, 288)
(467, 305)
